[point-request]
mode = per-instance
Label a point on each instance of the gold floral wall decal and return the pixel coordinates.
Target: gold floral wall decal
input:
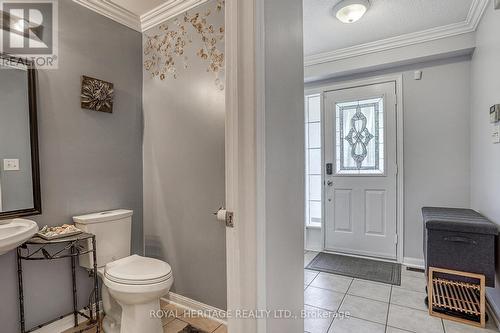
(167, 48)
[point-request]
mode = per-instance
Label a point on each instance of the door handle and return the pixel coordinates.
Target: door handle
(330, 184)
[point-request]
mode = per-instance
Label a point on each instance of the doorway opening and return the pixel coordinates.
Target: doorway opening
(354, 201)
(354, 178)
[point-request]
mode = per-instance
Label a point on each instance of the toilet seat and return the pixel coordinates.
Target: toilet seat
(137, 270)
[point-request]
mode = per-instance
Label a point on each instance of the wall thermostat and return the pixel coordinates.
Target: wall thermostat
(495, 113)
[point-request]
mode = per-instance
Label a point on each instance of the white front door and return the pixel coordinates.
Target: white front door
(361, 170)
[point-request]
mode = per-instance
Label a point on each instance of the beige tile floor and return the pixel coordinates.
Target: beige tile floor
(84, 327)
(178, 319)
(373, 307)
(175, 321)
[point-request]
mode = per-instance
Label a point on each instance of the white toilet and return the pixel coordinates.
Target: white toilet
(132, 285)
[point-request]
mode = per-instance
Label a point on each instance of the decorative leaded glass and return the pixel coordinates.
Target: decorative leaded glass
(359, 137)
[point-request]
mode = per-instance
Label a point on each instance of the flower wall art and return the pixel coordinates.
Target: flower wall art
(167, 49)
(96, 95)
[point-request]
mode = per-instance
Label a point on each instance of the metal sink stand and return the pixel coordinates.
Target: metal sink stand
(68, 247)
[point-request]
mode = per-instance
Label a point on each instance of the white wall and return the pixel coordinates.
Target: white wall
(436, 141)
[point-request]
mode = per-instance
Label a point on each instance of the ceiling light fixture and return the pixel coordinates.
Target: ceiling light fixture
(350, 11)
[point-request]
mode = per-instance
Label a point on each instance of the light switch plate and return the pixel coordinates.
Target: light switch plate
(495, 133)
(11, 164)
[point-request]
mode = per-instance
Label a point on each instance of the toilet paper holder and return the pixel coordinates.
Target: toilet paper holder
(225, 216)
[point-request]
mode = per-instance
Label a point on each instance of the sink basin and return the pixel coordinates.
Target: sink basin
(16, 232)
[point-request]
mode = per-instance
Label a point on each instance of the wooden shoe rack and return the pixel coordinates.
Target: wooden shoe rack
(456, 300)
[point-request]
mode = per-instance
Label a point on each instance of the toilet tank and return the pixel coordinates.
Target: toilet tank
(112, 230)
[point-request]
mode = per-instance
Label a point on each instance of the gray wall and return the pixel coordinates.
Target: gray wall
(485, 156)
(436, 141)
(184, 177)
(16, 187)
(90, 161)
(436, 144)
(284, 164)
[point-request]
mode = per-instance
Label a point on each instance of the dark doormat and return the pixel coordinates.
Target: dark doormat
(191, 329)
(361, 268)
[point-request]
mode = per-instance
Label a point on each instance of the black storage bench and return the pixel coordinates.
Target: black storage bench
(459, 239)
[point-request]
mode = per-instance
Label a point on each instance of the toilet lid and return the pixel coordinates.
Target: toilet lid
(138, 270)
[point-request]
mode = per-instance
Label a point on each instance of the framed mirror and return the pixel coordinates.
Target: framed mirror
(19, 162)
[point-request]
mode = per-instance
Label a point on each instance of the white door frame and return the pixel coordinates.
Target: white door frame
(245, 161)
(398, 79)
(0, 195)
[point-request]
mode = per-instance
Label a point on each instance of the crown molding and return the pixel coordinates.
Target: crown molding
(172, 8)
(166, 11)
(163, 12)
(113, 11)
(476, 12)
(469, 25)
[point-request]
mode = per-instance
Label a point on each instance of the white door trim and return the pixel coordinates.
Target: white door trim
(245, 162)
(398, 79)
(260, 96)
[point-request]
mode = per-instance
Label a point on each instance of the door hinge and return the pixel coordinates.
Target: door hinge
(396, 239)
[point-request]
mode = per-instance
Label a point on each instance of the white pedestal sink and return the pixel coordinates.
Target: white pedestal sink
(15, 232)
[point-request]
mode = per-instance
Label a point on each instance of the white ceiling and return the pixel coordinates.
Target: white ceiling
(139, 7)
(385, 19)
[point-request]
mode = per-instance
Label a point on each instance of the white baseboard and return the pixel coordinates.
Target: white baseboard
(313, 249)
(187, 303)
(60, 325)
(492, 314)
(414, 262)
(64, 323)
